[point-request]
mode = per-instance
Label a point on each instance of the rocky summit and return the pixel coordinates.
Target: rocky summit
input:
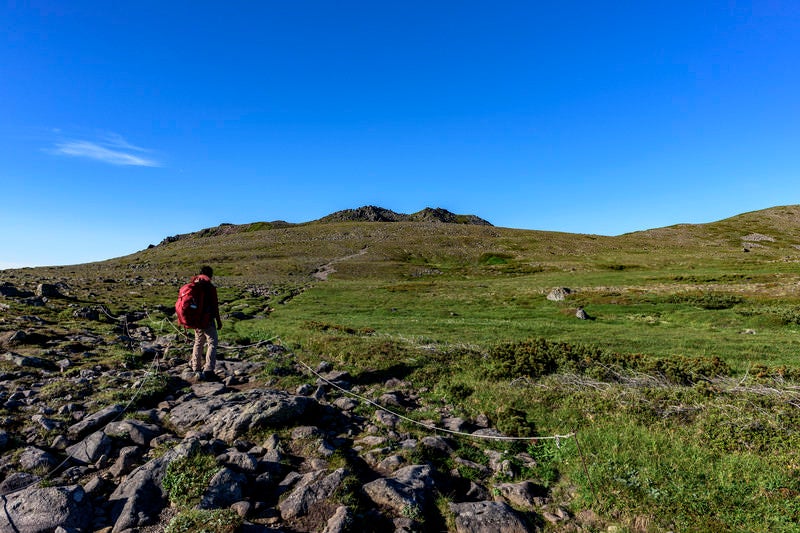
(105, 429)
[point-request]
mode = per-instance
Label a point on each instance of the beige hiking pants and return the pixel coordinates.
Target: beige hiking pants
(205, 338)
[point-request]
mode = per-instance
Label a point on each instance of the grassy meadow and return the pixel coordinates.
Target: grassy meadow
(683, 387)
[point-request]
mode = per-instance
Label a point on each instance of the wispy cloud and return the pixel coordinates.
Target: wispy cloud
(113, 149)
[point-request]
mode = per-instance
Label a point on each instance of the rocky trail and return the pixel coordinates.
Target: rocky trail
(327, 269)
(91, 444)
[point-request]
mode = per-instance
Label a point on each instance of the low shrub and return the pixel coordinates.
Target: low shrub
(684, 370)
(205, 521)
(514, 422)
(187, 478)
(539, 357)
(707, 300)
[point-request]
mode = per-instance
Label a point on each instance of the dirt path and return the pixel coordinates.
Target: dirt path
(322, 273)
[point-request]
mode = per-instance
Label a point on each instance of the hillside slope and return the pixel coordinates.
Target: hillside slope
(281, 252)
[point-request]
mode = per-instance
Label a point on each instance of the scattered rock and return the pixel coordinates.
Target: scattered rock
(139, 499)
(33, 458)
(47, 290)
(522, 495)
(136, 431)
(25, 361)
(339, 522)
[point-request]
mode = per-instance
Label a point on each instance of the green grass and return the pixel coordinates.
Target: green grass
(685, 408)
(486, 313)
(205, 521)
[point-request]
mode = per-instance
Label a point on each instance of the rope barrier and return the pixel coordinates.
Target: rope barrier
(556, 438)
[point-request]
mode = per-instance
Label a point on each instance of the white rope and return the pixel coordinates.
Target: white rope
(556, 438)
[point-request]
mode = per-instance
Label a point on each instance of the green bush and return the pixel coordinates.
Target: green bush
(514, 422)
(494, 259)
(708, 300)
(457, 392)
(205, 521)
(790, 316)
(188, 477)
(539, 357)
(687, 370)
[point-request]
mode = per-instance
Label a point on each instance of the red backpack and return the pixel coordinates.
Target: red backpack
(190, 305)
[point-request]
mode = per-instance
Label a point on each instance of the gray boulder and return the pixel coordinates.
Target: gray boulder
(480, 517)
(407, 489)
(339, 522)
(139, 499)
(17, 481)
(522, 495)
(313, 488)
(25, 361)
(91, 449)
(33, 458)
(136, 431)
(241, 461)
(8, 290)
(225, 488)
(40, 510)
(228, 416)
(94, 421)
(47, 290)
(126, 460)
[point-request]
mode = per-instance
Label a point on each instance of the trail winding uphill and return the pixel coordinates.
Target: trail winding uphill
(327, 269)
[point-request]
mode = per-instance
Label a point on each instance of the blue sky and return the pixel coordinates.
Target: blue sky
(124, 122)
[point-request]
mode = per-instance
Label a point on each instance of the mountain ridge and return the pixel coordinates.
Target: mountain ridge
(367, 213)
(371, 213)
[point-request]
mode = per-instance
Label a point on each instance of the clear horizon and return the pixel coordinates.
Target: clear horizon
(125, 124)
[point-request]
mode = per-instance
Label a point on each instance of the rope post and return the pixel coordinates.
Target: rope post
(585, 468)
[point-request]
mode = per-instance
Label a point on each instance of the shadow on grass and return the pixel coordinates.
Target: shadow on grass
(398, 371)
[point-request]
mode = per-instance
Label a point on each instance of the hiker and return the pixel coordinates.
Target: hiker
(205, 336)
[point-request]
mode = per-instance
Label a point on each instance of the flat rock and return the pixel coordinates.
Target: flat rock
(228, 416)
(406, 488)
(94, 421)
(481, 517)
(136, 431)
(522, 495)
(40, 510)
(225, 488)
(90, 449)
(25, 361)
(313, 488)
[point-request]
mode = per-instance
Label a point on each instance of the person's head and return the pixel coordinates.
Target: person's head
(207, 271)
